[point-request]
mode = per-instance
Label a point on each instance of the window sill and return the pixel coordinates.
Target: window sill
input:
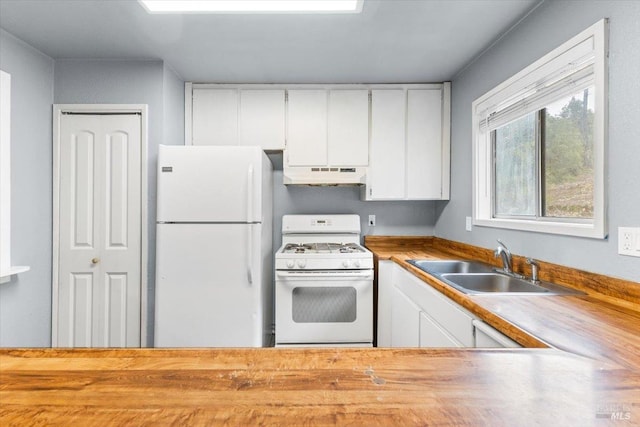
(568, 229)
(5, 275)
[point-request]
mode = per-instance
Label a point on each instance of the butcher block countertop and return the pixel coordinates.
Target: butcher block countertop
(602, 324)
(363, 387)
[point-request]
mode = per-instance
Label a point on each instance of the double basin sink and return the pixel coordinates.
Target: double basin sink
(473, 277)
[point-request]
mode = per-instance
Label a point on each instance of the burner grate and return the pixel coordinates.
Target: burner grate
(343, 248)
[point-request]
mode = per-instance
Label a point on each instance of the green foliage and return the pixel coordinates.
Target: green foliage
(568, 143)
(567, 140)
(568, 170)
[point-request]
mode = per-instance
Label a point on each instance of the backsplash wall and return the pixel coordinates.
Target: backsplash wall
(392, 218)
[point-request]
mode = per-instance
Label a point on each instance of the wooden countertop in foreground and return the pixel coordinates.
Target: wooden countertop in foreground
(313, 387)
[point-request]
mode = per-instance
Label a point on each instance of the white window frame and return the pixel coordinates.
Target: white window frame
(6, 268)
(586, 51)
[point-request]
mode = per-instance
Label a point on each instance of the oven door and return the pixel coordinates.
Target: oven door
(324, 307)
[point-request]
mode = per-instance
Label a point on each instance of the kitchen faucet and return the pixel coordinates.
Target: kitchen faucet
(503, 252)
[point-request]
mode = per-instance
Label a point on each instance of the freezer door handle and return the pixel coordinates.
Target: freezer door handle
(250, 194)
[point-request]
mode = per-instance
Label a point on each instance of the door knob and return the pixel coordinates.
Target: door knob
(95, 260)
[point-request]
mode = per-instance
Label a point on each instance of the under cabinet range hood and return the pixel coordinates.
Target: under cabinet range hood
(324, 175)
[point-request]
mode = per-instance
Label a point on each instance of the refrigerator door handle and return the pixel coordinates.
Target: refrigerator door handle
(249, 220)
(250, 254)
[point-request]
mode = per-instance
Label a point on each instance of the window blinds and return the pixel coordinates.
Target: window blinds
(562, 76)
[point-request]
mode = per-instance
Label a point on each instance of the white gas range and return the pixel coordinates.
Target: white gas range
(324, 283)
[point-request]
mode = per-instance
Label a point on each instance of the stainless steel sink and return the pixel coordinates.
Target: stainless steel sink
(495, 283)
(477, 278)
(492, 282)
(450, 266)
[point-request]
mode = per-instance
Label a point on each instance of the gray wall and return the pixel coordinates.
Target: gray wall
(546, 28)
(25, 302)
(131, 82)
(173, 102)
(392, 218)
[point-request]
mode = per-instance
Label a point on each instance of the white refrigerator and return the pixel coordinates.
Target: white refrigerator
(214, 266)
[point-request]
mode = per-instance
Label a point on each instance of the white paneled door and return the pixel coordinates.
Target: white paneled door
(97, 291)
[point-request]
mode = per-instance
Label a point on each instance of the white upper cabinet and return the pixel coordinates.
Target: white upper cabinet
(262, 118)
(393, 138)
(214, 117)
(348, 127)
(409, 147)
(424, 144)
(328, 127)
(386, 177)
(327, 136)
(307, 127)
(235, 116)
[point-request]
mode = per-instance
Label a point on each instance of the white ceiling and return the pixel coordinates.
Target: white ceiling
(396, 41)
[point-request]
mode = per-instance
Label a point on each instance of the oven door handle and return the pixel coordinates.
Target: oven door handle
(352, 274)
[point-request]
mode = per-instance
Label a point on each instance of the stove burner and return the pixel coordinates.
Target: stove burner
(343, 248)
(298, 248)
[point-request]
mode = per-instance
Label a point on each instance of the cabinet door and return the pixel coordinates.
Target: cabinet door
(405, 321)
(488, 337)
(262, 118)
(386, 176)
(307, 128)
(385, 293)
(452, 318)
(214, 117)
(424, 144)
(348, 127)
(432, 335)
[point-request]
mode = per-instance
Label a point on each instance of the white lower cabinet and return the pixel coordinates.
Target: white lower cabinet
(405, 320)
(413, 314)
(385, 294)
(488, 337)
(433, 335)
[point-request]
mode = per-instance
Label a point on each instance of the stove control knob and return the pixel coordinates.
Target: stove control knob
(345, 263)
(290, 263)
(302, 263)
(356, 263)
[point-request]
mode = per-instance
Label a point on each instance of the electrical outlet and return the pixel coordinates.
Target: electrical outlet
(372, 220)
(467, 225)
(629, 241)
